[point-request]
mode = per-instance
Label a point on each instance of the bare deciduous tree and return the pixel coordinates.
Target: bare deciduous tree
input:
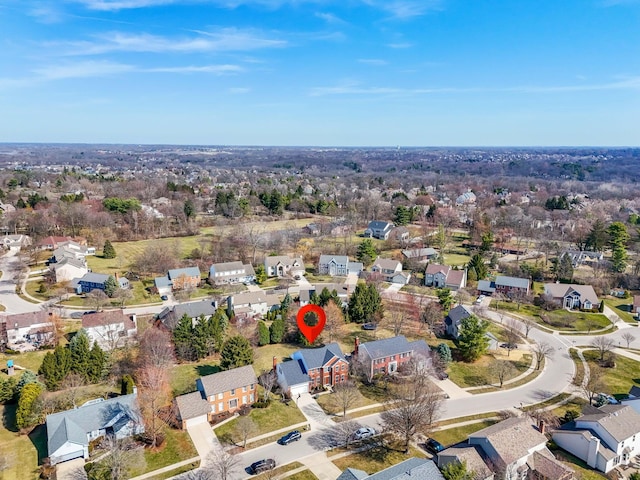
(335, 319)
(413, 409)
(220, 464)
(540, 351)
(628, 337)
(432, 316)
(592, 384)
(153, 396)
(268, 380)
(528, 325)
(156, 348)
(603, 345)
(344, 396)
(71, 386)
(503, 370)
(245, 428)
(96, 299)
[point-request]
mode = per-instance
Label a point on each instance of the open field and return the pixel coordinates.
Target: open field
(451, 436)
(621, 378)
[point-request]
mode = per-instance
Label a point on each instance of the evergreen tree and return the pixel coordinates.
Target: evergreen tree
(108, 251)
(564, 268)
(402, 215)
(472, 340)
(277, 330)
(366, 252)
(110, 286)
(219, 323)
(444, 352)
(189, 209)
(445, 298)
(285, 304)
(597, 238)
(327, 296)
(618, 238)
(96, 364)
(364, 304)
(183, 338)
(487, 241)
(478, 266)
(236, 352)
(7, 389)
(127, 384)
(457, 471)
(264, 337)
(79, 346)
(261, 274)
(25, 413)
(199, 338)
(27, 378)
(49, 371)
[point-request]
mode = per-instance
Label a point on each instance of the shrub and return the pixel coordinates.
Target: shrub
(261, 404)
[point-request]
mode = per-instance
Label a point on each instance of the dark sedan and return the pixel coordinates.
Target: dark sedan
(290, 437)
(262, 466)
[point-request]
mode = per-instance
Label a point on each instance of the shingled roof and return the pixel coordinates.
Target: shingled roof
(228, 380)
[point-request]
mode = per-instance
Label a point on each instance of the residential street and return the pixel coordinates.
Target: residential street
(8, 297)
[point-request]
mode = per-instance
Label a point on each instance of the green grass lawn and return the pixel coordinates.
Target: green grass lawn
(376, 459)
(29, 360)
(304, 475)
(276, 472)
(20, 453)
(182, 377)
(623, 308)
(480, 373)
(276, 416)
(451, 436)
(456, 259)
(330, 404)
(621, 378)
(583, 471)
(176, 448)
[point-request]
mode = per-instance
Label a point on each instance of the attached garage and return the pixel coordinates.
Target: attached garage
(299, 389)
(192, 409)
(292, 379)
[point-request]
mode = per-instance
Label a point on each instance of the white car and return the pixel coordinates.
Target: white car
(364, 432)
(480, 299)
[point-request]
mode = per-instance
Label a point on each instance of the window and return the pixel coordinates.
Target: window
(342, 378)
(220, 407)
(233, 403)
(220, 395)
(252, 398)
(244, 389)
(233, 391)
(244, 399)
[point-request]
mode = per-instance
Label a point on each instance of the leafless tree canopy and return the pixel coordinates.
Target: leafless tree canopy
(603, 345)
(245, 428)
(540, 351)
(503, 370)
(344, 395)
(268, 380)
(628, 337)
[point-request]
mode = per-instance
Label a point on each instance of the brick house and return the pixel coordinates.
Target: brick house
(312, 369)
(636, 306)
(219, 393)
(390, 354)
(185, 278)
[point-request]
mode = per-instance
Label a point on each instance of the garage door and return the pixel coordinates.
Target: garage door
(299, 389)
(196, 421)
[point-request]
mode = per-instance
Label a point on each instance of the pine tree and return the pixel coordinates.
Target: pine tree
(126, 386)
(364, 304)
(564, 268)
(49, 371)
(366, 252)
(277, 330)
(110, 286)
(96, 364)
(108, 251)
(183, 338)
(7, 389)
(264, 336)
(200, 338)
(25, 414)
(236, 352)
(79, 346)
(27, 378)
(472, 340)
(444, 352)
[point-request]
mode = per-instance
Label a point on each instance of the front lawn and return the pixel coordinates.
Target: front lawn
(456, 259)
(276, 416)
(623, 307)
(330, 403)
(481, 372)
(376, 459)
(304, 475)
(454, 435)
(182, 377)
(20, 453)
(618, 380)
(176, 448)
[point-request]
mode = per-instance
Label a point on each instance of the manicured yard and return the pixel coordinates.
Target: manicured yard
(454, 435)
(28, 360)
(276, 416)
(275, 473)
(304, 475)
(182, 377)
(583, 471)
(623, 308)
(176, 448)
(376, 459)
(621, 378)
(456, 259)
(330, 404)
(480, 373)
(19, 452)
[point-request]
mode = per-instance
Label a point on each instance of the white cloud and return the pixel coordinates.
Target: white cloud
(239, 90)
(377, 62)
(215, 69)
(227, 39)
(400, 45)
(405, 9)
(330, 18)
(82, 70)
(114, 5)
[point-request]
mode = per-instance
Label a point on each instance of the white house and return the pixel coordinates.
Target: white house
(603, 438)
(391, 270)
(573, 296)
(283, 265)
(111, 328)
(34, 328)
(15, 242)
(338, 265)
(251, 304)
(231, 273)
(379, 229)
(67, 269)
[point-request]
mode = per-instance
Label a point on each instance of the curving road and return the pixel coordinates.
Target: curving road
(8, 297)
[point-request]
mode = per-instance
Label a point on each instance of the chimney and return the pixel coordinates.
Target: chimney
(356, 346)
(275, 362)
(116, 276)
(541, 426)
(134, 319)
(592, 451)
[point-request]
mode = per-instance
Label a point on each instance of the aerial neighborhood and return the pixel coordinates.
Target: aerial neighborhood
(463, 326)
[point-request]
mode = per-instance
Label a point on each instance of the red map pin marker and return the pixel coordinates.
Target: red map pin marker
(311, 332)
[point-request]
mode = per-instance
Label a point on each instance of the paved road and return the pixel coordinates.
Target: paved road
(8, 297)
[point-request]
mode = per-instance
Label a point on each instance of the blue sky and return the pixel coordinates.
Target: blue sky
(321, 72)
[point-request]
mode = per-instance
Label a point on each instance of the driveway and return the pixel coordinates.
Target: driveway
(204, 440)
(71, 470)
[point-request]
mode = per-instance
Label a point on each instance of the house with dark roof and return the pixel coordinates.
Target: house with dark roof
(184, 278)
(231, 273)
(218, 393)
(67, 269)
(284, 266)
(443, 276)
(603, 437)
(69, 432)
(338, 265)
(110, 328)
(387, 356)
(95, 281)
(454, 318)
(420, 254)
(573, 296)
(313, 369)
(505, 285)
(170, 316)
(515, 448)
(379, 229)
(410, 469)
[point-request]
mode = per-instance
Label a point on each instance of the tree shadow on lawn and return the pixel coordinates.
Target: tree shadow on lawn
(207, 369)
(38, 437)
(9, 417)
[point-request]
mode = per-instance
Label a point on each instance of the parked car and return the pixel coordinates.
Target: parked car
(364, 432)
(290, 437)
(369, 326)
(509, 346)
(164, 297)
(442, 375)
(604, 398)
(434, 446)
(480, 299)
(262, 466)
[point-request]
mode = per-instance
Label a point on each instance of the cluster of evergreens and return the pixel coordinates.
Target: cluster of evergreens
(199, 339)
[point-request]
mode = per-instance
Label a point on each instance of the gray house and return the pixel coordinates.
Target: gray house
(231, 273)
(410, 469)
(453, 320)
(378, 229)
(69, 432)
(338, 265)
(170, 316)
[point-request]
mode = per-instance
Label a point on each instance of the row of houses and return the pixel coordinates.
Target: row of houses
(307, 370)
